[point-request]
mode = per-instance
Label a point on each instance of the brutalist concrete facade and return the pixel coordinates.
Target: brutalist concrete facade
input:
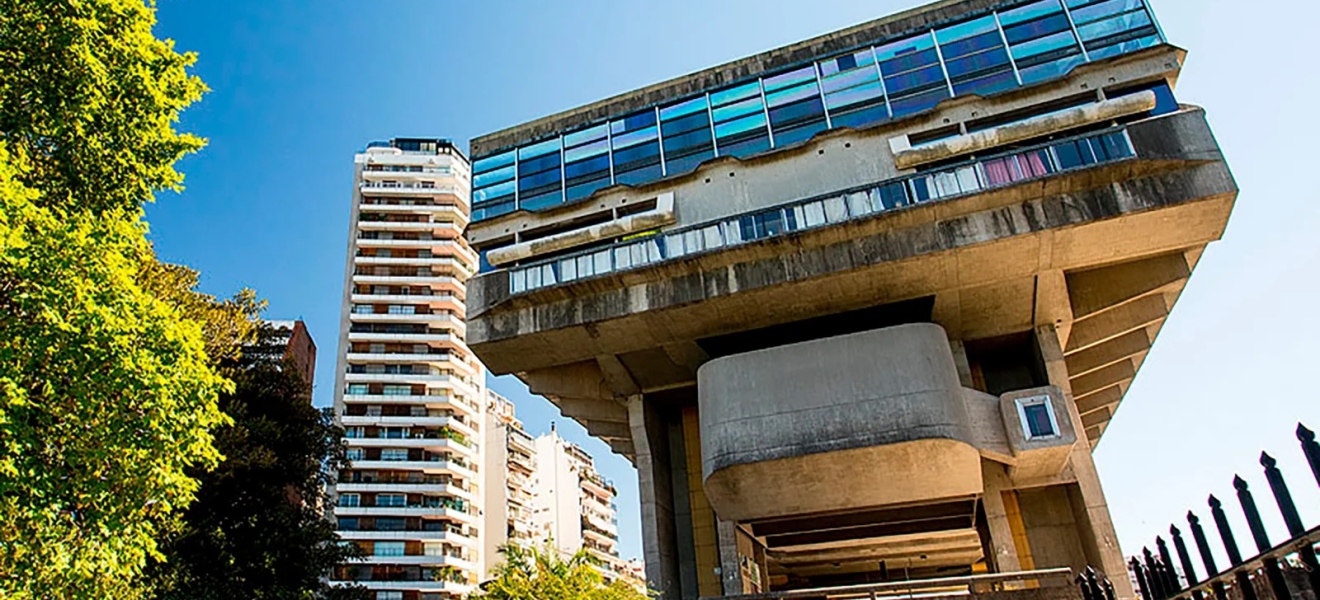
(884, 351)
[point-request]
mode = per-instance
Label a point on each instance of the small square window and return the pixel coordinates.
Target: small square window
(1038, 420)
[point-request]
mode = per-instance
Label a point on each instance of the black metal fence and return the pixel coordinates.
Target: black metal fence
(1268, 572)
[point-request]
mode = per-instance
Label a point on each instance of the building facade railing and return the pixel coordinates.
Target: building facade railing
(969, 178)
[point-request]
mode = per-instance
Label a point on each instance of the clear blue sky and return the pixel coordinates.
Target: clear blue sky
(299, 87)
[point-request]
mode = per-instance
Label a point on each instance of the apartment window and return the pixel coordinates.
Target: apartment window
(355, 432)
(398, 390)
(389, 549)
(394, 454)
(390, 524)
(356, 454)
(350, 500)
(358, 389)
(1037, 413)
(403, 309)
(389, 595)
(395, 433)
(363, 309)
(377, 349)
(391, 500)
(348, 523)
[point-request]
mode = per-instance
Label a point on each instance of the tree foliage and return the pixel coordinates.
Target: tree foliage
(258, 529)
(107, 392)
(90, 96)
(107, 397)
(543, 574)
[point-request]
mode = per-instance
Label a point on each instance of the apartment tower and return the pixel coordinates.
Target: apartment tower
(510, 460)
(859, 308)
(409, 393)
(575, 507)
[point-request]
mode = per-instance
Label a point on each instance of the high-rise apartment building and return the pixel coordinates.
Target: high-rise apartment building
(409, 393)
(575, 505)
(859, 308)
(510, 465)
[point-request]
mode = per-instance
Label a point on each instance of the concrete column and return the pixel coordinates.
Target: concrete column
(726, 532)
(651, 440)
(1005, 558)
(1090, 508)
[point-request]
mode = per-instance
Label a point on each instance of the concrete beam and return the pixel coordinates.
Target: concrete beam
(609, 430)
(590, 409)
(617, 377)
(1117, 322)
(1097, 418)
(1116, 350)
(1099, 380)
(1097, 290)
(577, 380)
(1107, 397)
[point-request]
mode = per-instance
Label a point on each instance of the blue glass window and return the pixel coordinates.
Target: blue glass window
(493, 185)
(913, 77)
(795, 106)
(740, 123)
(975, 57)
(853, 94)
(1113, 27)
(586, 162)
(686, 130)
(635, 144)
(1041, 40)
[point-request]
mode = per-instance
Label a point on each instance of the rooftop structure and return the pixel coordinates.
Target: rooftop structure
(859, 308)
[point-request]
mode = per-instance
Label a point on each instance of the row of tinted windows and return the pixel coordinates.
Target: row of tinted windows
(1032, 42)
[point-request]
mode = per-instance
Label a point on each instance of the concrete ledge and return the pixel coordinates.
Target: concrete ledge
(907, 157)
(662, 215)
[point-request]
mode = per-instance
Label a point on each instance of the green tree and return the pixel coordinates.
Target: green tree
(543, 574)
(258, 529)
(89, 96)
(107, 393)
(107, 397)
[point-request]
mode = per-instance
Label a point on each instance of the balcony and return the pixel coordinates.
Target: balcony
(424, 559)
(410, 188)
(403, 511)
(464, 263)
(391, 336)
(435, 226)
(410, 488)
(426, 466)
(411, 536)
(430, 443)
(430, 300)
(402, 421)
(442, 401)
(1019, 167)
(449, 587)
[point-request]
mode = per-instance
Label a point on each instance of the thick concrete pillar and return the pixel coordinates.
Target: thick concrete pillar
(730, 572)
(1005, 557)
(651, 439)
(1090, 508)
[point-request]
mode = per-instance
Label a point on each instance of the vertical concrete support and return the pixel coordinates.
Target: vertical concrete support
(651, 440)
(730, 573)
(1005, 556)
(1089, 506)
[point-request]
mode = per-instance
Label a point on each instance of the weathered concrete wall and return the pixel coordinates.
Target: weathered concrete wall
(768, 416)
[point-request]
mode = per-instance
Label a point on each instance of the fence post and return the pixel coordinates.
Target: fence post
(1203, 548)
(1310, 448)
(1283, 497)
(1230, 545)
(1185, 559)
(1272, 572)
(1093, 584)
(1171, 581)
(1158, 584)
(1142, 582)
(1109, 590)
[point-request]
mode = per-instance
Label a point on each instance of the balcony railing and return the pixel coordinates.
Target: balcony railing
(973, 177)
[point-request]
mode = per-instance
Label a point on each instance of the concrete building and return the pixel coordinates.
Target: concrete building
(408, 391)
(859, 308)
(509, 464)
(574, 504)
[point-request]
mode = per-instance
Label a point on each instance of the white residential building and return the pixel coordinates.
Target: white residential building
(409, 393)
(510, 459)
(574, 505)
